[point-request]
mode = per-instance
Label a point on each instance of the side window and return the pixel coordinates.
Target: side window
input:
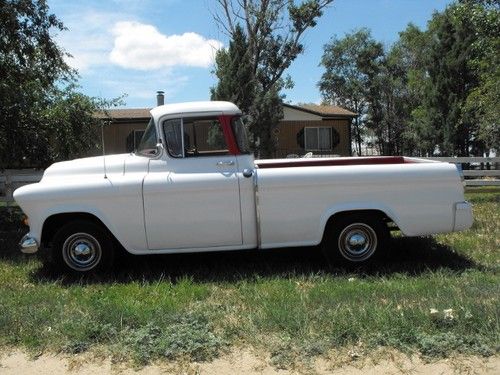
(133, 139)
(195, 137)
(147, 145)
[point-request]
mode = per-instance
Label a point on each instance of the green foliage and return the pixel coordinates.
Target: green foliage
(351, 66)
(42, 117)
(189, 336)
(216, 138)
(411, 54)
(70, 123)
(484, 16)
(457, 80)
(27, 51)
(268, 110)
(450, 80)
(433, 90)
(444, 344)
(30, 63)
(251, 71)
(233, 69)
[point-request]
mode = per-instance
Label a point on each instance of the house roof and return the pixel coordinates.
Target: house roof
(327, 111)
(124, 114)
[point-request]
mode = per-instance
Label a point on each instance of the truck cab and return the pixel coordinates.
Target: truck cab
(200, 172)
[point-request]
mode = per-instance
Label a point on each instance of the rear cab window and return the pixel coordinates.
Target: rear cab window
(240, 134)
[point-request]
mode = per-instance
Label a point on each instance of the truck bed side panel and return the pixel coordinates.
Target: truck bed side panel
(296, 203)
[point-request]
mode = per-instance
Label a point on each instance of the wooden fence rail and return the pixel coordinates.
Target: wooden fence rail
(478, 172)
(11, 179)
(477, 167)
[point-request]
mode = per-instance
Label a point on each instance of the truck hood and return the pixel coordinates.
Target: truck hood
(87, 166)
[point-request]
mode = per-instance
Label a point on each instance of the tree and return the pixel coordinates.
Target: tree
(399, 82)
(70, 124)
(351, 66)
(433, 90)
(484, 15)
(453, 75)
(410, 57)
(273, 31)
(30, 63)
(234, 70)
(450, 81)
(42, 116)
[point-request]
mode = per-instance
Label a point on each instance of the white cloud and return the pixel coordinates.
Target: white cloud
(143, 47)
(88, 38)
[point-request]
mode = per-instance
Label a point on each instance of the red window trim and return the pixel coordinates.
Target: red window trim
(225, 120)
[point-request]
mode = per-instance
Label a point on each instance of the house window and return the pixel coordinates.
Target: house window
(318, 139)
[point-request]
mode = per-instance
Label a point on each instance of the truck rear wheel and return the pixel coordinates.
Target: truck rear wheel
(355, 238)
(82, 247)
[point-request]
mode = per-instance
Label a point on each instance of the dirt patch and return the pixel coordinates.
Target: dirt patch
(242, 362)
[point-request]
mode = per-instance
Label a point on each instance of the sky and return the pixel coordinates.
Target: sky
(137, 47)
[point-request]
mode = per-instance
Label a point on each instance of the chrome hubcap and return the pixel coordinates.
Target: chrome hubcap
(81, 251)
(357, 242)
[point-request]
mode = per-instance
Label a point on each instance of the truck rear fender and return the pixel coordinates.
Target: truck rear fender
(333, 212)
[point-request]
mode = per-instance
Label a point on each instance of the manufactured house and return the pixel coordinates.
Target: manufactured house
(317, 129)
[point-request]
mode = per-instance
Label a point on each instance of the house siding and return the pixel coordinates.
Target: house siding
(115, 135)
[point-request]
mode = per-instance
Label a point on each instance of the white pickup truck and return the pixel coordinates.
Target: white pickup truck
(193, 185)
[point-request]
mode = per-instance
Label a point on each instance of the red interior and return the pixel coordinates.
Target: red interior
(317, 162)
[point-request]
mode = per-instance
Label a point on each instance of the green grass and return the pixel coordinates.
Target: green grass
(286, 302)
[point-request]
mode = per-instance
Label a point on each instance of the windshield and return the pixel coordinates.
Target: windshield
(147, 145)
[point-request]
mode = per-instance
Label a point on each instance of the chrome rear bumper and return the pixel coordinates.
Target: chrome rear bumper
(28, 244)
(463, 216)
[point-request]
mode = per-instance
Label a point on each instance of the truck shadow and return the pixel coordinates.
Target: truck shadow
(409, 256)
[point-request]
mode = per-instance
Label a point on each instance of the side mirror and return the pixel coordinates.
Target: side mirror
(157, 150)
(153, 151)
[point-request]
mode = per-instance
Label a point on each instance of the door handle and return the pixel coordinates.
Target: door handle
(247, 172)
(225, 163)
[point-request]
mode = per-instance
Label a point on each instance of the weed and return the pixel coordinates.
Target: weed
(188, 336)
(283, 357)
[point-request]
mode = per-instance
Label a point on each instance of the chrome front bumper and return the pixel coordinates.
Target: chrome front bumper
(28, 244)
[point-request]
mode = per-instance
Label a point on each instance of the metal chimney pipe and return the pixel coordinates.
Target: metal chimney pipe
(160, 98)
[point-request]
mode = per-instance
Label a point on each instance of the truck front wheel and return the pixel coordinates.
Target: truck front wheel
(355, 238)
(82, 247)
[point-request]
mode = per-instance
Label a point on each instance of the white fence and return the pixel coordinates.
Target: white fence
(11, 179)
(478, 172)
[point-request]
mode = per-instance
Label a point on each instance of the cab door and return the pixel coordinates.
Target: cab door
(191, 194)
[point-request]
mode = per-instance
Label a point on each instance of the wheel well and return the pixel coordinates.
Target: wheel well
(377, 213)
(54, 222)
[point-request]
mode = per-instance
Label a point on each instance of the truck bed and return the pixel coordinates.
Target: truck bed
(320, 162)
